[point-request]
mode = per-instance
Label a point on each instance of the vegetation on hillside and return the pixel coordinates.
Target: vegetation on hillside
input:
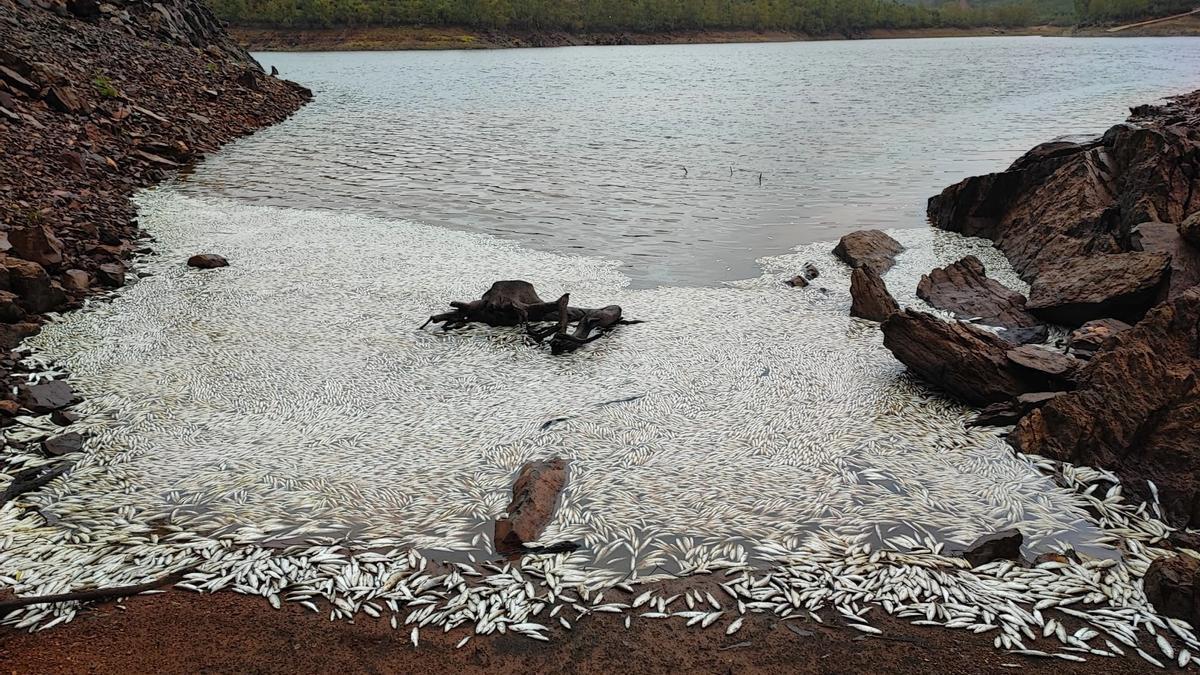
(817, 17)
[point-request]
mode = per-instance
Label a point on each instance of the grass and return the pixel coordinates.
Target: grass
(105, 87)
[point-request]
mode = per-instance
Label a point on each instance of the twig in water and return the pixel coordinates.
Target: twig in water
(94, 594)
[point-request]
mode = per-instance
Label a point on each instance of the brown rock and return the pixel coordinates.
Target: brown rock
(535, 496)
(9, 408)
(1136, 411)
(32, 285)
(11, 334)
(1164, 238)
(965, 289)
(1121, 285)
(1189, 229)
(1093, 335)
(111, 274)
(47, 396)
(871, 248)
(76, 280)
(968, 362)
(1041, 360)
(1170, 586)
(207, 261)
(36, 243)
(797, 281)
(10, 309)
(63, 444)
(869, 296)
(64, 99)
(1004, 545)
(1009, 412)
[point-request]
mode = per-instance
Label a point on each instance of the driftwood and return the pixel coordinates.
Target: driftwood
(94, 594)
(515, 303)
(32, 479)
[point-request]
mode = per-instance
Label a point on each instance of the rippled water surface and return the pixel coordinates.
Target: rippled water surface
(653, 155)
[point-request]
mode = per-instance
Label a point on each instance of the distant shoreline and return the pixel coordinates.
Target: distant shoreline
(402, 38)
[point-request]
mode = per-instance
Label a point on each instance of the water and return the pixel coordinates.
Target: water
(585, 149)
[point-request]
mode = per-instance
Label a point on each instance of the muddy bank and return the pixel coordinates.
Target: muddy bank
(379, 38)
(185, 632)
(97, 101)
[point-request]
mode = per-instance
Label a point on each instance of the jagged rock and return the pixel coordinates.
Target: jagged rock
(207, 261)
(9, 408)
(36, 243)
(964, 289)
(64, 418)
(1009, 412)
(1135, 411)
(111, 274)
(1170, 585)
(807, 274)
(64, 99)
(1165, 238)
(76, 280)
(1041, 360)
(47, 396)
(1025, 336)
(31, 283)
(871, 248)
(63, 444)
(1003, 545)
(1189, 229)
(869, 296)
(10, 309)
(1092, 336)
(1066, 200)
(1077, 290)
(11, 334)
(968, 362)
(535, 496)
(797, 281)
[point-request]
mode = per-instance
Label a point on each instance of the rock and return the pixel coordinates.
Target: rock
(535, 496)
(207, 261)
(1052, 557)
(37, 244)
(797, 281)
(1003, 545)
(1009, 412)
(968, 362)
(1189, 229)
(1120, 285)
(64, 99)
(47, 396)
(11, 334)
(1135, 411)
(869, 296)
(32, 285)
(76, 280)
(1093, 335)
(111, 274)
(249, 79)
(1024, 336)
(871, 248)
(1041, 360)
(9, 408)
(1164, 238)
(964, 289)
(64, 418)
(810, 271)
(1170, 585)
(1066, 200)
(10, 308)
(63, 444)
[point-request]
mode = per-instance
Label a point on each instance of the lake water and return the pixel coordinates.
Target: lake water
(653, 155)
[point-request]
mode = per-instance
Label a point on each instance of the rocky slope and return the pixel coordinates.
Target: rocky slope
(98, 99)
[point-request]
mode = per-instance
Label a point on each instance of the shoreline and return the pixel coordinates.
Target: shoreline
(423, 38)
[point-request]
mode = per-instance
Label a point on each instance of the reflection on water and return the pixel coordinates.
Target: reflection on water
(653, 155)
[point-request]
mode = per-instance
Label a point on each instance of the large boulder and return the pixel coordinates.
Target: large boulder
(31, 284)
(869, 296)
(1165, 239)
(869, 248)
(970, 363)
(1189, 229)
(965, 289)
(1171, 586)
(1117, 285)
(37, 244)
(1136, 411)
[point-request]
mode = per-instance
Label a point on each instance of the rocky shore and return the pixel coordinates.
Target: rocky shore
(1106, 234)
(97, 100)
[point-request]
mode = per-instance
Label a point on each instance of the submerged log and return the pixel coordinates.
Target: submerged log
(515, 303)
